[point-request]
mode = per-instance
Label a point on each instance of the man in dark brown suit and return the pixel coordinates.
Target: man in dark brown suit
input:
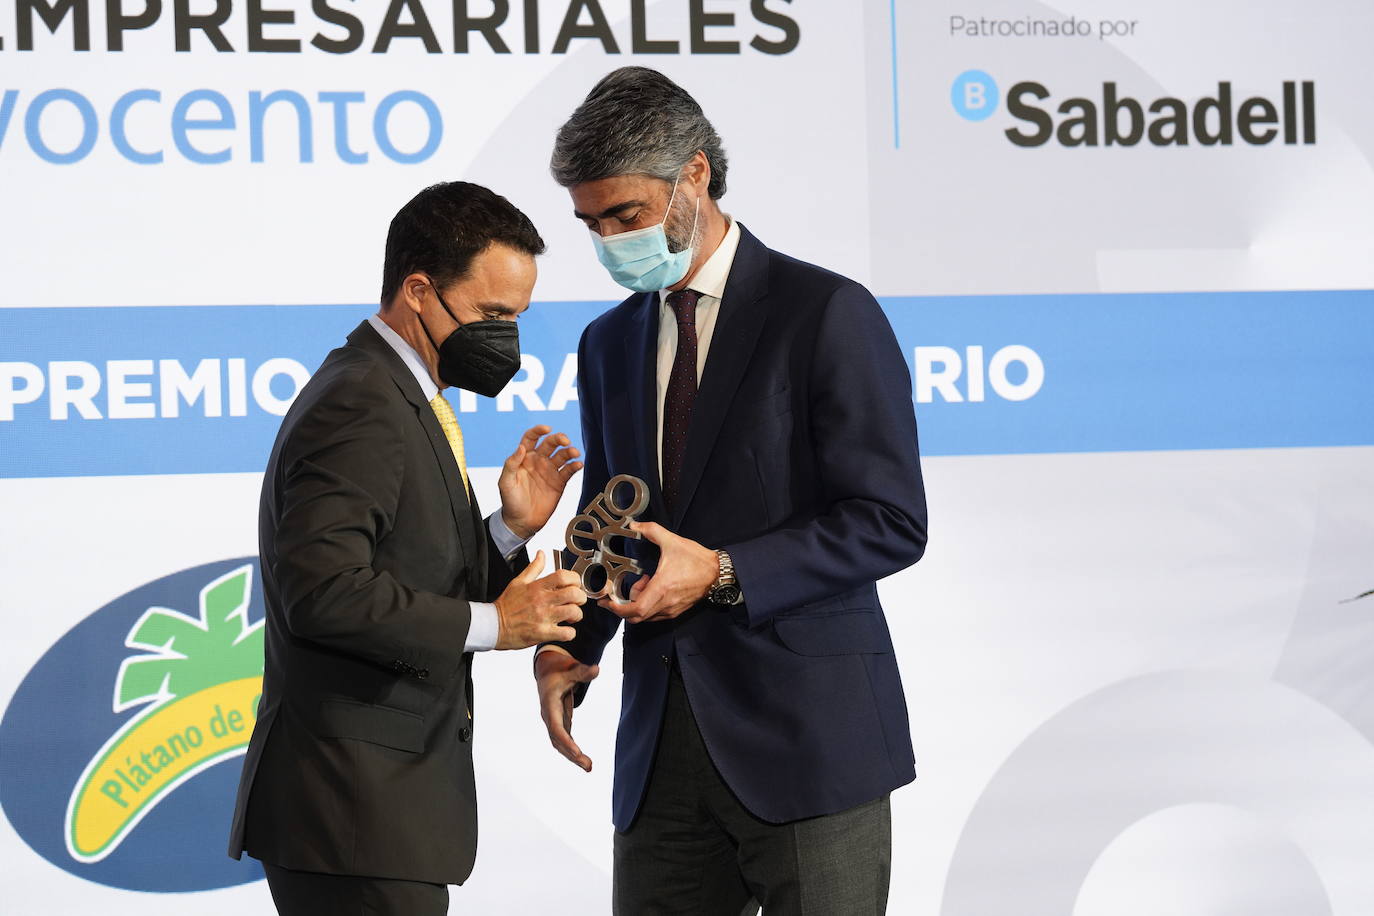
(357, 791)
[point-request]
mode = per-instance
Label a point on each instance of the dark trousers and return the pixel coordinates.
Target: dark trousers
(307, 893)
(695, 850)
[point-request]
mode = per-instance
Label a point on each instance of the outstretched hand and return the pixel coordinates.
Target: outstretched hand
(558, 675)
(533, 479)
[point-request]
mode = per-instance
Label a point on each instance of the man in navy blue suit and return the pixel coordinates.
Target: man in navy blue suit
(767, 404)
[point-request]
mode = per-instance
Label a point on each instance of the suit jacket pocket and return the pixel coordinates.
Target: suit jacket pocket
(846, 633)
(394, 728)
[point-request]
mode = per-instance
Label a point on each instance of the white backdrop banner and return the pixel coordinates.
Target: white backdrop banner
(1126, 248)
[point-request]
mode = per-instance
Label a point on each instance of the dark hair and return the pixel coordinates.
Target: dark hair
(445, 226)
(636, 121)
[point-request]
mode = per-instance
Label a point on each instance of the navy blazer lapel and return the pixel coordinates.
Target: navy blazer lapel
(366, 337)
(738, 325)
(641, 377)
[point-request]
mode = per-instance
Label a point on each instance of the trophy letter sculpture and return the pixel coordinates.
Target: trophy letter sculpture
(600, 567)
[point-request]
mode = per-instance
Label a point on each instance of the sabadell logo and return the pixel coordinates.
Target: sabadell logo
(1111, 117)
(111, 749)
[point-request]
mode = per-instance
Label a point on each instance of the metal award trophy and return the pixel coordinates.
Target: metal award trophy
(602, 569)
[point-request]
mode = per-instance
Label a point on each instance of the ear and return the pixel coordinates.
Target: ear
(413, 290)
(697, 173)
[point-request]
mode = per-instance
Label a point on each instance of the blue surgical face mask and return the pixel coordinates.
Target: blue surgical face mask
(640, 259)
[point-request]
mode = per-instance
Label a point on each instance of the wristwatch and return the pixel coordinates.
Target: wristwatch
(726, 591)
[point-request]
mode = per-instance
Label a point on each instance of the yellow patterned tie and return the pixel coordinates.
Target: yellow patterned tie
(453, 433)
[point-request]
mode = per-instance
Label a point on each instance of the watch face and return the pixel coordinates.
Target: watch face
(725, 594)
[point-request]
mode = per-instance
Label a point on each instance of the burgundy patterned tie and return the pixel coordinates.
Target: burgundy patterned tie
(682, 391)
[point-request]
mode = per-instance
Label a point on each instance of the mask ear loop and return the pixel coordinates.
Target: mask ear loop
(696, 216)
(425, 327)
(667, 212)
(696, 221)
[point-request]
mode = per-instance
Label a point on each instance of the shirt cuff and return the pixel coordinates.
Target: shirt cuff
(507, 541)
(483, 628)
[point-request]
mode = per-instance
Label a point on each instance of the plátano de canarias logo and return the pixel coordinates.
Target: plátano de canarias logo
(200, 679)
(109, 745)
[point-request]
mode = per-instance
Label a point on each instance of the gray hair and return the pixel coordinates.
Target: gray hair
(636, 121)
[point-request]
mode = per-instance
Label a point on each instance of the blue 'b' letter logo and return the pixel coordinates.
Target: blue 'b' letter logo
(974, 95)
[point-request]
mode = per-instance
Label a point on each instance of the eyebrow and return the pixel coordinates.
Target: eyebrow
(500, 308)
(610, 211)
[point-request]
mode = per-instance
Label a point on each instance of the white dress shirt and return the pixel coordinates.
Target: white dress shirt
(486, 620)
(710, 283)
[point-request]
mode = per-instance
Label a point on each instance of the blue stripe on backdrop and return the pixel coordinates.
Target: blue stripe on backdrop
(1141, 371)
(140, 390)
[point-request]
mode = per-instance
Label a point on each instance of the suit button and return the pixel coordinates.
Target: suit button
(667, 662)
(422, 673)
(465, 733)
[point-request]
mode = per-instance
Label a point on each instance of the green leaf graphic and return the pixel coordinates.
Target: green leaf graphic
(190, 654)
